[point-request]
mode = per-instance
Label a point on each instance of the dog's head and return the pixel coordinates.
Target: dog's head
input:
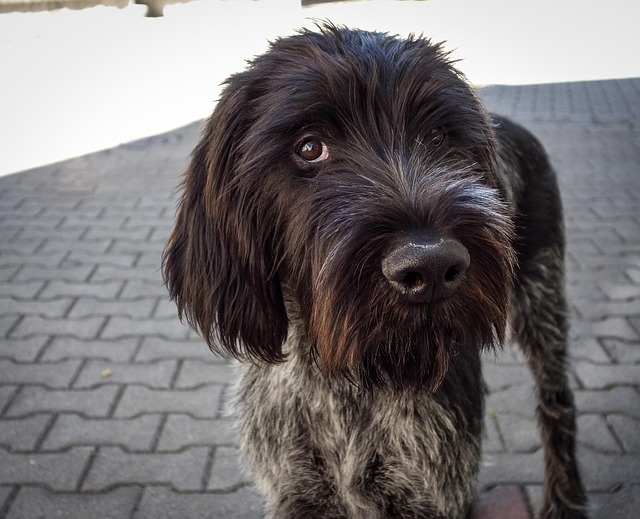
(346, 181)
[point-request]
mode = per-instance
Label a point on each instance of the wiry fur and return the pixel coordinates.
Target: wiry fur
(357, 402)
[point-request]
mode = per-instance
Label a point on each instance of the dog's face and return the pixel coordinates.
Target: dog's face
(346, 182)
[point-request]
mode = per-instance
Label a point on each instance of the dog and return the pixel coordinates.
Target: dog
(357, 229)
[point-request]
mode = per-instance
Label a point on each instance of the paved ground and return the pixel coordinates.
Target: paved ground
(109, 407)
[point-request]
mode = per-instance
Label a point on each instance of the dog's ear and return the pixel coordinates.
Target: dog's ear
(218, 262)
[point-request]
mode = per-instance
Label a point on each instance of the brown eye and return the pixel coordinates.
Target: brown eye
(435, 138)
(313, 150)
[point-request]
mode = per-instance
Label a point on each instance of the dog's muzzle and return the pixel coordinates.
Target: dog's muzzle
(426, 270)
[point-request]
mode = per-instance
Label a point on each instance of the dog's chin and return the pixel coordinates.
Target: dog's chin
(412, 352)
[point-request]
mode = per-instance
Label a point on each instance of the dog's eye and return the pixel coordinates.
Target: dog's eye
(313, 150)
(434, 138)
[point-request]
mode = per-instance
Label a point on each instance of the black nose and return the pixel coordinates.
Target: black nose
(426, 270)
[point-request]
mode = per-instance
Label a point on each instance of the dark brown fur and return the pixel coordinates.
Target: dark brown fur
(278, 261)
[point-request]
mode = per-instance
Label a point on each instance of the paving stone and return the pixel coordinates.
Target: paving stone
(31, 220)
(627, 429)
(121, 259)
(8, 323)
(504, 376)
(22, 350)
(156, 348)
(149, 259)
(491, 441)
(182, 431)
(136, 289)
(597, 263)
(90, 402)
(604, 472)
(534, 496)
(161, 234)
(97, 372)
(517, 399)
(595, 434)
(28, 257)
(113, 466)
(55, 308)
(31, 273)
(56, 204)
(119, 350)
(635, 322)
(620, 291)
(226, 470)
(624, 503)
(98, 220)
(624, 400)
(503, 468)
(156, 204)
(55, 471)
(597, 311)
(634, 274)
(140, 247)
(89, 307)
(81, 328)
(24, 246)
(5, 492)
(135, 434)
(195, 373)
(203, 402)
(6, 394)
(519, 433)
(588, 348)
(165, 309)
(57, 375)
(101, 233)
(21, 290)
(22, 434)
(611, 327)
(597, 376)
(7, 273)
(109, 273)
(33, 502)
(105, 290)
(35, 233)
(244, 503)
(585, 291)
(117, 327)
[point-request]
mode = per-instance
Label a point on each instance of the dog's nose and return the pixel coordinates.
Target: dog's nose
(426, 270)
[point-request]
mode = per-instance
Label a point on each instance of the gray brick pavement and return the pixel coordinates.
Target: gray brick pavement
(108, 403)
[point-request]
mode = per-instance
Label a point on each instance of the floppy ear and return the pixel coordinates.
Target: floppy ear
(218, 262)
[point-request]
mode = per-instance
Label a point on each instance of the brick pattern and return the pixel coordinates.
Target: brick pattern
(109, 403)
(590, 131)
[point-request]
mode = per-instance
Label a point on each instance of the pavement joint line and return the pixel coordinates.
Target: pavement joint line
(158, 433)
(116, 402)
(76, 375)
(45, 432)
(93, 456)
(4, 509)
(206, 473)
(10, 401)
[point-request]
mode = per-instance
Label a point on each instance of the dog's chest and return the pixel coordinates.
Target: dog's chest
(373, 451)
